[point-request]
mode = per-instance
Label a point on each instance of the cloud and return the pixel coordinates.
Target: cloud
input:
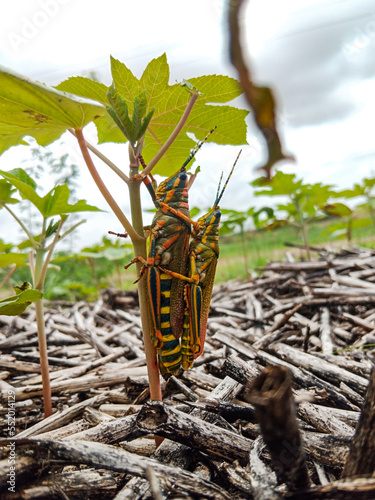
(316, 61)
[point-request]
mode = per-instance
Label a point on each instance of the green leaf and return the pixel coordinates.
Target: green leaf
(337, 210)
(52, 228)
(275, 224)
(132, 128)
(144, 124)
(280, 184)
(234, 217)
(5, 247)
(260, 221)
(84, 87)
(194, 211)
(20, 180)
(139, 113)
(338, 233)
(108, 131)
(16, 304)
(125, 82)
(27, 243)
(30, 108)
(369, 183)
(22, 288)
(216, 88)
(6, 191)
(155, 80)
(170, 102)
(357, 190)
(289, 208)
(24, 177)
(119, 113)
(12, 258)
(55, 202)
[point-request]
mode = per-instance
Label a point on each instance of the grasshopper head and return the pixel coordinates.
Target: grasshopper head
(210, 219)
(174, 188)
(209, 223)
(208, 232)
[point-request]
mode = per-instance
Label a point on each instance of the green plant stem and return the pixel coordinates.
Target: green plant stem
(302, 227)
(41, 276)
(305, 240)
(32, 265)
(349, 230)
(71, 229)
(194, 96)
(141, 250)
(103, 188)
(33, 242)
(104, 159)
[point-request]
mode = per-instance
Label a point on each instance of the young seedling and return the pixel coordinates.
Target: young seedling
(53, 209)
(304, 202)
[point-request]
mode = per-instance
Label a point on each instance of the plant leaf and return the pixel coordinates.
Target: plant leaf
(6, 191)
(5, 247)
(119, 113)
(18, 259)
(55, 202)
(30, 108)
(84, 87)
(16, 304)
(279, 184)
(20, 180)
(170, 102)
(194, 211)
(22, 288)
(127, 85)
(337, 210)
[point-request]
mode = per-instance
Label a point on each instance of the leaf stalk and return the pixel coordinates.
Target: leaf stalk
(104, 190)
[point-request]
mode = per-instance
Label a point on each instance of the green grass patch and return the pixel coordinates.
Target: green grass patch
(262, 247)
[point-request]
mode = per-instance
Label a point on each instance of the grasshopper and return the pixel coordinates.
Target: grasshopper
(203, 255)
(166, 263)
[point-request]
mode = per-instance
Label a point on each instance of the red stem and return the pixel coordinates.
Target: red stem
(103, 188)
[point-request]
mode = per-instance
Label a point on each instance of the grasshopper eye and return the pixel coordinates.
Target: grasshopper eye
(183, 176)
(218, 214)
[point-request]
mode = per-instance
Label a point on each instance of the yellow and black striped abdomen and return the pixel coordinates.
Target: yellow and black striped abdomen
(170, 352)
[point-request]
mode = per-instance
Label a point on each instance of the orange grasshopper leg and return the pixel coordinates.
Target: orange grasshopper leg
(193, 280)
(179, 214)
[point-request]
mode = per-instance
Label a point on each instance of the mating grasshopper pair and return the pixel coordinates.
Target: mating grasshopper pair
(180, 277)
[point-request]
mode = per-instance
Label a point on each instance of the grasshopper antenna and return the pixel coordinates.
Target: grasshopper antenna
(219, 196)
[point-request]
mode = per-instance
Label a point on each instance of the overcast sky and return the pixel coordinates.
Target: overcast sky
(317, 55)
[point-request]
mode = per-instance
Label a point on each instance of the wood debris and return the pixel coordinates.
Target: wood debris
(310, 323)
